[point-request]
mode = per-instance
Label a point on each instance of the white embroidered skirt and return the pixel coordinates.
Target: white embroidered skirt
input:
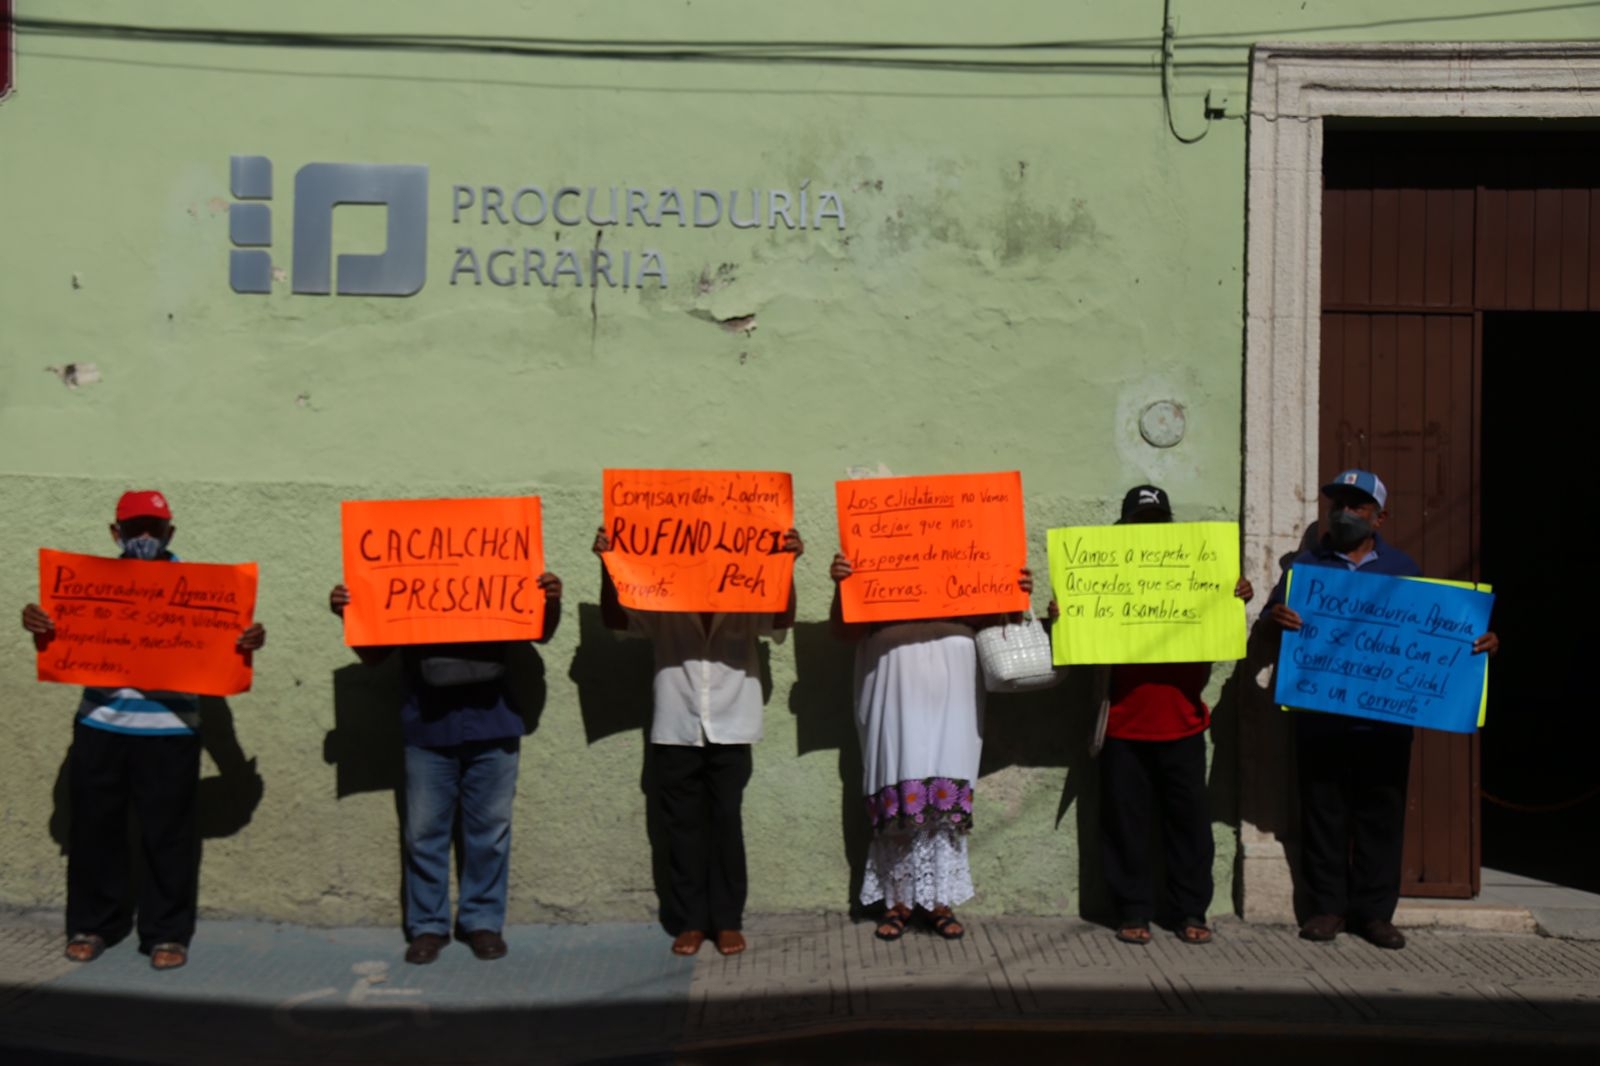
(919, 717)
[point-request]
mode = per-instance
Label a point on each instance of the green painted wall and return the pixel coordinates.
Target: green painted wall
(1030, 259)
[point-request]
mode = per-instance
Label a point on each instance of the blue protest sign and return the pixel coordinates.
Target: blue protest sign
(1387, 648)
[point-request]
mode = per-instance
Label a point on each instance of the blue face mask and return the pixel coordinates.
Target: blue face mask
(144, 546)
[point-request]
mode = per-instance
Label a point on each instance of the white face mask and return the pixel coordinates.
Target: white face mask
(144, 546)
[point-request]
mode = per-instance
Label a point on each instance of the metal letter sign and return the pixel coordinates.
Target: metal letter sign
(399, 270)
(403, 265)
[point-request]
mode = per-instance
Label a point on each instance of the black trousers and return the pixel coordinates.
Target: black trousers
(701, 791)
(156, 777)
(1168, 777)
(1353, 778)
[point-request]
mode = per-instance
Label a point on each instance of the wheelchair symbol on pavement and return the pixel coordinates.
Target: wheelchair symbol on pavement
(366, 993)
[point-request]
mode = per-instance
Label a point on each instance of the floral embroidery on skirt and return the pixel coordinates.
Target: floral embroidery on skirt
(929, 801)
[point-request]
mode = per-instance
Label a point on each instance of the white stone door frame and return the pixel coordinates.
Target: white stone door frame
(1293, 89)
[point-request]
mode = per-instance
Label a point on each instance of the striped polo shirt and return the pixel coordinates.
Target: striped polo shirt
(148, 714)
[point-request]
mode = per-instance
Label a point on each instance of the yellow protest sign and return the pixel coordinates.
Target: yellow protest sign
(1150, 593)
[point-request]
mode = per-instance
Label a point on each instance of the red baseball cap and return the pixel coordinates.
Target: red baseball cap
(146, 504)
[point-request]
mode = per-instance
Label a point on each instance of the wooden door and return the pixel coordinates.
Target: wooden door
(1400, 397)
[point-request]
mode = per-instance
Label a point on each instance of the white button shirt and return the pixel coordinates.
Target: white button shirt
(707, 684)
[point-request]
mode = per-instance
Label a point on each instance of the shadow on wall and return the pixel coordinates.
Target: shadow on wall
(614, 677)
(226, 801)
(1046, 728)
(1255, 744)
(822, 702)
(1051, 727)
(364, 745)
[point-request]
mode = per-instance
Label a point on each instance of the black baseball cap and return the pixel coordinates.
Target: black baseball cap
(1145, 499)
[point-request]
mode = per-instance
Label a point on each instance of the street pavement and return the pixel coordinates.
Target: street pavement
(812, 988)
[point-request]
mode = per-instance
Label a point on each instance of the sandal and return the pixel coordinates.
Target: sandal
(94, 946)
(893, 926)
(1194, 931)
(730, 942)
(1134, 933)
(688, 942)
(947, 925)
(168, 956)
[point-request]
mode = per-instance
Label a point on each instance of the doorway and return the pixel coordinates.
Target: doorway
(1541, 785)
(1460, 280)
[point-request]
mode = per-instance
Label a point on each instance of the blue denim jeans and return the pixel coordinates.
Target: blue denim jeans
(478, 780)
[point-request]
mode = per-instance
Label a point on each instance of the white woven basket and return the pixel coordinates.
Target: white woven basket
(1016, 656)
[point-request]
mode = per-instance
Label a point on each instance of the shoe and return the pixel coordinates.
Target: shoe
(425, 947)
(730, 942)
(85, 947)
(486, 944)
(1194, 931)
(1383, 934)
(168, 955)
(1322, 927)
(688, 942)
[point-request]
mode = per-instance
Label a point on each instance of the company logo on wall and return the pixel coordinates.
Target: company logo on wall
(401, 268)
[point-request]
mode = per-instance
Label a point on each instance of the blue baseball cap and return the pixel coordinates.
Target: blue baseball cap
(1362, 481)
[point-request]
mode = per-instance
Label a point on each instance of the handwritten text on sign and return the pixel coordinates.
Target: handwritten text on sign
(932, 547)
(699, 540)
(442, 571)
(1147, 593)
(159, 626)
(1388, 648)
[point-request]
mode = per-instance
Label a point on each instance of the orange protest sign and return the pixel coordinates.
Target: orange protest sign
(158, 626)
(699, 540)
(932, 547)
(442, 571)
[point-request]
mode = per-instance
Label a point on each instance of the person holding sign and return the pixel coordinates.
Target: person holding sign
(1353, 771)
(919, 716)
(463, 737)
(707, 714)
(140, 750)
(1155, 746)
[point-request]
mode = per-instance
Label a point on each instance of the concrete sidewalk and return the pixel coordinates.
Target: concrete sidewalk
(812, 988)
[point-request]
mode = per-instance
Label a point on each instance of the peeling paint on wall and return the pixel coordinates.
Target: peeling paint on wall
(73, 375)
